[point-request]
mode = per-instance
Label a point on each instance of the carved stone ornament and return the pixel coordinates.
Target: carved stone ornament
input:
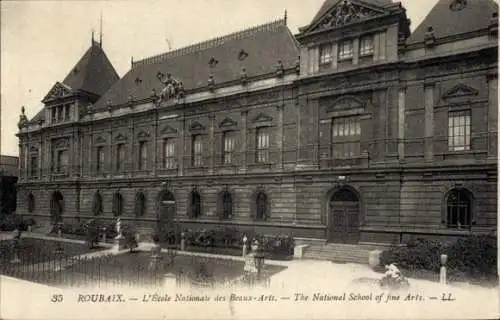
(243, 76)
(227, 122)
(173, 88)
(460, 90)
(90, 109)
(23, 119)
(458, 5)
(59, 90)
(345, 12)
(280, 69)
(211, 83)
(168, 130)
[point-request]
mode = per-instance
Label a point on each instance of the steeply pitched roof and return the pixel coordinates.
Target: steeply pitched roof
(94, 73)
(261, 46)
(446, 22)
(328, 4)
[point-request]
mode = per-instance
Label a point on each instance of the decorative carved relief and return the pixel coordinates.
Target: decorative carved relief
(460, 90)
(33, 149)
(261, 117)
(173, 88)
(143, 134)
(227, 122)
(120, 137)
(196, 126)
(345, 103)
(100, 139)
(168, 130)
(62, 143)
(346, 12)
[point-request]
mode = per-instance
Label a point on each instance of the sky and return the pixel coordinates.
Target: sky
(41, 41)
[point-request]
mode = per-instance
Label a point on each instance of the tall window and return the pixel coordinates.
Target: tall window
(346, 136)
(140, 204)
(66, 112)
(197, 151)
(261, 206)
(54, 114)
(366, 45)
(143, 155)
(227, 147)
(325, 55)
(120, 156)
(262, 144)
(97, 204)
(226, 205)
(31, 203)
(168, 154)
(459, 130)
(458, 209)
(34, 166)
(117, 204)
(60, 114)
(345, 50)
(100, 159)
(62, 161)
(195, 204)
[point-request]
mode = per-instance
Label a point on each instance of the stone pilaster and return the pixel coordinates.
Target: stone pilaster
(182, 148)
(493, 116)
(211, 141)
(243, 150)
(401, 123)
(429, 122)
(155, 145)
(279, 137)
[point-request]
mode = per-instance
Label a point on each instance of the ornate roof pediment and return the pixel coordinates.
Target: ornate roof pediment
(346, 12)
(196, 126)
(261, 117)
(168, 130)
(460, 90)
(58, 91)
(227, 122)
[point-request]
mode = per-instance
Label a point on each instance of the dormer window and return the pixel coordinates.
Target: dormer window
(325, 55)
(345, 50)
(61, 113)
(366, 45)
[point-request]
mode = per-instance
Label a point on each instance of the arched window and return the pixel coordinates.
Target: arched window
(194, 204)
(459, 209)
(140, 204)
(31, 203)
(97, 204)
(117, 204)
(261, 206)
(226, 205)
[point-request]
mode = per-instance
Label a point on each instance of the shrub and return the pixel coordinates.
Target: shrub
(92, 234)
(279, 247)
(473, 257)
(130, 237)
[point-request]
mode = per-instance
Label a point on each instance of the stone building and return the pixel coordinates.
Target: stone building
(354, 130)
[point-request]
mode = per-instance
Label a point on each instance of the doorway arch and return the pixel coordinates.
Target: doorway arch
(56, 207)
(343, 211)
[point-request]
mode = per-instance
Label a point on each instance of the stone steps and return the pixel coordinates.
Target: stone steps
(341, 253)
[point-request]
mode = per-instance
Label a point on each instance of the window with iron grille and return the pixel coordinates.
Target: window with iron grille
(345, 50)
(97, 205)
(197, 151)
(120, 156)
(140, 204)
(458, 209)
(168, 154)
(34, 166)
(459, 131)
(143, 155)
(262, 143)
(346, 136)
(227, 147)
(100, 159)
(261, 206)
(325, 54)
(117, 205)
(366, 45)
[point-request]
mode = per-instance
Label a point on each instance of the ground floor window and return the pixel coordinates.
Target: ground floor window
(261, 206)
(117, 205)
(459, 209)
(140, 204)
(97, 205)
(31, 203)
(194, 204)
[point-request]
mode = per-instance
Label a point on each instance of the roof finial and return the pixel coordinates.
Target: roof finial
(286, 17)
(92, 40)
(100, 31)
(132, 62)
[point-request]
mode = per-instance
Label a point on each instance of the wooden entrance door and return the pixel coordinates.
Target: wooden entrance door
(344, 217)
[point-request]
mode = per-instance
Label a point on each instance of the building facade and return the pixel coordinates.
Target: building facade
(355, 130)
